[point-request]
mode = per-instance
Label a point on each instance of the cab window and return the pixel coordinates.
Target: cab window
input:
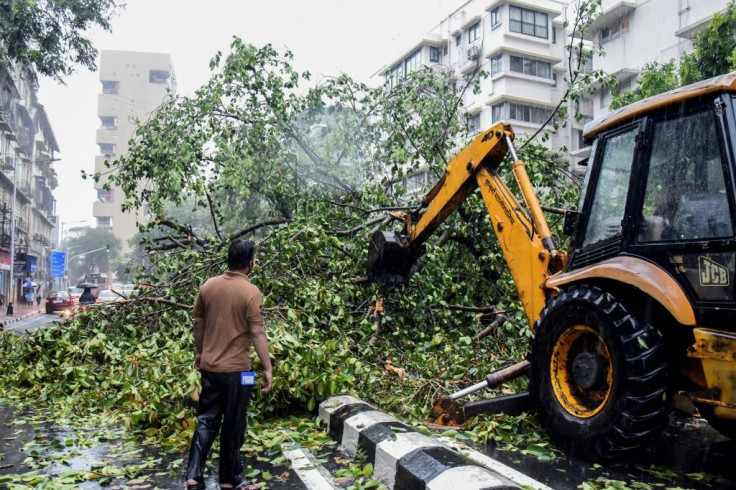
(685, 196)
(609, 198)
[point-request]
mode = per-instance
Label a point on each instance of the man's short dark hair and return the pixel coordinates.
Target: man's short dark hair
(240, 253)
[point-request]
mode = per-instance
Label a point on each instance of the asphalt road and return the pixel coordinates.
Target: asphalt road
(32, 323)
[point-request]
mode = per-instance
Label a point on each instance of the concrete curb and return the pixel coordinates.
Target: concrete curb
(8, 320)
(402, 458)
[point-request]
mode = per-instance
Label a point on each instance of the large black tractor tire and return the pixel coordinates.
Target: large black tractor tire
(598, 376)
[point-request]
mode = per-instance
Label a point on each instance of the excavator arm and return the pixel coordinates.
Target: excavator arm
(524, 238)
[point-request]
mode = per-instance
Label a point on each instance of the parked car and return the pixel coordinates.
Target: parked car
(58, 301)
(108, 296)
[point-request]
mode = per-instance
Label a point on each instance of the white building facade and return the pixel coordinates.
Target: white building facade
(520, 44)
(133, 84)
(633, 33)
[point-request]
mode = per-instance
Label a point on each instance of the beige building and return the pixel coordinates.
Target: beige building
(133, 84)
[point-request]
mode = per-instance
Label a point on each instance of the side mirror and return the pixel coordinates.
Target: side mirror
(570, 226)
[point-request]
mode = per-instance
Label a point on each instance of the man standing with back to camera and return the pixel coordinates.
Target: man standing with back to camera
(227, 321)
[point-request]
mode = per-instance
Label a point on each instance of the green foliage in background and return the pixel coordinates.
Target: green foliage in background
(81, 260)
(308, 171)
(47, 37)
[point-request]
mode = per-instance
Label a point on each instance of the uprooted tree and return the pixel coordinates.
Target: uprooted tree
(306, 173)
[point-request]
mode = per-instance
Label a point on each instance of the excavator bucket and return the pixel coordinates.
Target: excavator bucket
(390, 258)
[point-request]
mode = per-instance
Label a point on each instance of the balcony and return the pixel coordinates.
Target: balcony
(40, 239)
(613, 13)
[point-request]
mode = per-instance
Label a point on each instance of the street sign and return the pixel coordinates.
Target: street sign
(19, 268)
(58, 261)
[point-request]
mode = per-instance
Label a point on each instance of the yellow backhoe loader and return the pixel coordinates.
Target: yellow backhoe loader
(642, 306)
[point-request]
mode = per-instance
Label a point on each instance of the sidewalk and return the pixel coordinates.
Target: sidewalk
(20, 311)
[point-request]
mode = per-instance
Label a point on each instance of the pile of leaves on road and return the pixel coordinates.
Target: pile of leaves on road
(307, 173)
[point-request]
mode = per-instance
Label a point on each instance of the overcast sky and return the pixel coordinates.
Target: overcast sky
(326, 36)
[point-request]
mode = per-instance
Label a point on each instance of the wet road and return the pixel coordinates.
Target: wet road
(689, 454)
(29, 446)
(32, 323)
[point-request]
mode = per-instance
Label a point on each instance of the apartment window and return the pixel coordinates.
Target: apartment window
(104, 221)
(458, 39)
(158, 76)
(104, 195)
(474, 32)
(434, 54)
(554, 35)
(532, 67)
(415, 182)
(496, 64)
(497, 113)
(395, 75)
(527, 21)
(614, 31)
(528, 113)
(473, 122)
(445, 50)
(109, 122)
(110, 86)
(413, 62)
(495, 16)
(107, 148)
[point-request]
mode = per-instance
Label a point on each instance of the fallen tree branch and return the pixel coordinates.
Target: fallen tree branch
(162, 301)
(472, 309)
(214, 216)
(360, 227)
(181, 229)
(254, 227)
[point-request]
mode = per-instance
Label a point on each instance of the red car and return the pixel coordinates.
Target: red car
(58, 300)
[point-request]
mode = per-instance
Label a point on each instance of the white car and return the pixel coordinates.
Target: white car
(108, 296)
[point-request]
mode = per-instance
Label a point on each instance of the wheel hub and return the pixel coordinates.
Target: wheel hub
(587, 369)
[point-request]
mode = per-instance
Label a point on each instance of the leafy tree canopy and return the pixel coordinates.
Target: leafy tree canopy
(307, 170)
(47, 36)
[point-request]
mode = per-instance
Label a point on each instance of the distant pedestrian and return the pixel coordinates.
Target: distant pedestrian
(29, 296)
(227, 322)
(38, 296)
(86, 297)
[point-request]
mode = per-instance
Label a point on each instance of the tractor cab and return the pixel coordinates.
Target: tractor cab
(660, 187)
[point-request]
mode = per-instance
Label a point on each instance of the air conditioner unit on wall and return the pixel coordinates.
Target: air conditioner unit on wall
(473, 52)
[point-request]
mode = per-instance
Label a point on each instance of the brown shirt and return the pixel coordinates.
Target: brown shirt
(230, 306)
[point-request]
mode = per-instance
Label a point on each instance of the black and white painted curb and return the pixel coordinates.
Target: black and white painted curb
(402, 458)
(7, 321)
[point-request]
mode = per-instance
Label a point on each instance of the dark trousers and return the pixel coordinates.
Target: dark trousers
(222, 397)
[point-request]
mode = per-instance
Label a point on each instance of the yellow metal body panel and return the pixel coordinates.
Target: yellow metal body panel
(525, 241)
(522, 248)
(638, 273)
(716, 351)
(488, 148)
